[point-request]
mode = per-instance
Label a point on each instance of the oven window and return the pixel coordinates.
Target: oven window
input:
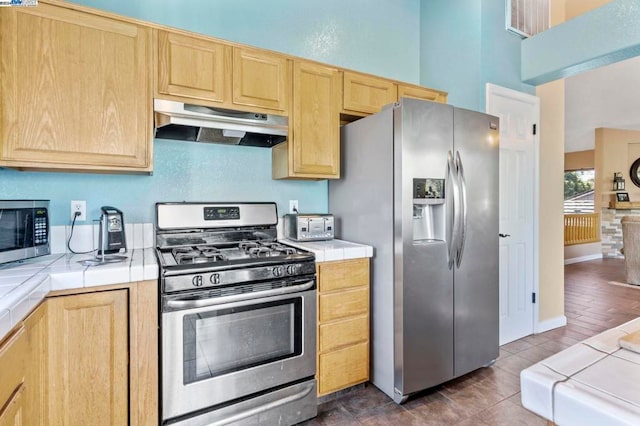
(227, 340)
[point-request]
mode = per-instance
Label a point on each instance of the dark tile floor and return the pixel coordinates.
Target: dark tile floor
(491, 396)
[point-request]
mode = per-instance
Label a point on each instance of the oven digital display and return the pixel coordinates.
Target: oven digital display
(222, 213)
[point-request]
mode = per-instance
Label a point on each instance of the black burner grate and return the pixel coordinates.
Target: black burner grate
(185, 255)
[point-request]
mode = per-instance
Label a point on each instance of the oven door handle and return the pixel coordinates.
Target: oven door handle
(179, 304)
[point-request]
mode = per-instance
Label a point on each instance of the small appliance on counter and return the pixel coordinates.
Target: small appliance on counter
(24, 229)
(111, 238)
(309, 227)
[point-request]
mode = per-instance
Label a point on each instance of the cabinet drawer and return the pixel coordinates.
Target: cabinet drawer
(343, 274)
(343, 304)
(343, 368)
(342, 333)
(12, 355)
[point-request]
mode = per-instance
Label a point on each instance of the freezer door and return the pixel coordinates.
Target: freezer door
(476, 277)
(423, 282)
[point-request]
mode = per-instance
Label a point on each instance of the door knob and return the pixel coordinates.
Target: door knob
(504, 235)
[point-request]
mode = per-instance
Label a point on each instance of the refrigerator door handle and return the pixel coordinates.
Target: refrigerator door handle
(452, 201)
(463, 201)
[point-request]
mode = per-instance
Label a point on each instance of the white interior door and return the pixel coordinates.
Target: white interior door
(518, 113)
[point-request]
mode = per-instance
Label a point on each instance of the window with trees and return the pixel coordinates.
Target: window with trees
(579, 191)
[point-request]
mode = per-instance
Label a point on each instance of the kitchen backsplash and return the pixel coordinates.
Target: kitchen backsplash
(85, 237)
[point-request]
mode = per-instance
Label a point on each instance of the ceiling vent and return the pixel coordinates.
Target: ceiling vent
(527, 17)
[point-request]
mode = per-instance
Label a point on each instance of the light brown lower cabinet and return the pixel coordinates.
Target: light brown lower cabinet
(103, 355)
(12, 378)
(13, 413)
(343, 324)
(87, 358)
(36, 392)
(84, 357)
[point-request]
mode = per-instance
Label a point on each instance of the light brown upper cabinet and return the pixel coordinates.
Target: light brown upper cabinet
(367, 94)
(261, 79)
(312, 150)
(75, 91)
(418, 92)
(194, 69)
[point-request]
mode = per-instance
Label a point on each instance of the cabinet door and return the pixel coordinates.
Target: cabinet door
(88, 374)
(313, 147)
(13, 352)
(36, 366)
(74, 91)
(13, 413)
(193, 68)
(421, 93)
(261, 79)
(367, 94)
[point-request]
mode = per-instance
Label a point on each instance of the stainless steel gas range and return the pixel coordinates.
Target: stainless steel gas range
(238, 317)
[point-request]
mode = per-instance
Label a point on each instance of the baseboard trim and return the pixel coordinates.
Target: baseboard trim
(583, 258)
(550, 324)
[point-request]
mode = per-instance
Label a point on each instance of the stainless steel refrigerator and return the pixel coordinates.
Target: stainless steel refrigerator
(420, 184)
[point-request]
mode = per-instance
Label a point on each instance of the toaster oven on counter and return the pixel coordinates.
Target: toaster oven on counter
(309, 227)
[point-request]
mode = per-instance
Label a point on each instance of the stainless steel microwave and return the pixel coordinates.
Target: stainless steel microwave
(24, 229)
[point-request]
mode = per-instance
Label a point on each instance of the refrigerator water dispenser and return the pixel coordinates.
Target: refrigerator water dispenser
(428, 210)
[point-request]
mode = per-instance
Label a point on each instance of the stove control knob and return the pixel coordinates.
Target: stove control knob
(197, 281)
(277, 271)
(292, 269)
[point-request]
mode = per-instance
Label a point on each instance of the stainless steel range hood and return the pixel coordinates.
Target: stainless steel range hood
(177, 120)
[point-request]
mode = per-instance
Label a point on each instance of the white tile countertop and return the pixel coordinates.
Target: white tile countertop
(326, 251)
(24, 284)
(594, 382)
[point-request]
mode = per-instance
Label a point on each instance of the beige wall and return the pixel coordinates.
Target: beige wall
(551, 177)
(551, 232)
(551, 214)
(616, 150)
(574, 8)
(579, 160)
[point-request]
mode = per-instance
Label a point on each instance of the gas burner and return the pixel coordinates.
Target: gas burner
(185, 255)
(277, 247)
(247, 245)
(260, 251)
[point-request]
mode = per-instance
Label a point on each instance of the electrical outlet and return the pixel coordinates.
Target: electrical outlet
(79, 206)
(293, 206)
